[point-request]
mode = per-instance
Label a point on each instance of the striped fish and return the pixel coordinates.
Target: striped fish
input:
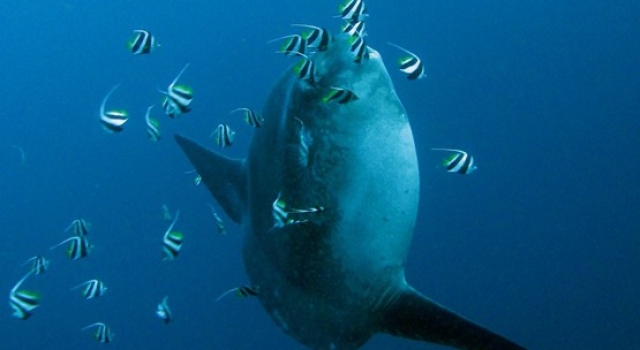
(80, 227)
(103, 334)
(459, 162)
(163, 311)
(250, 117)
(353, 11)
(223, 135)
(172, 241)
(317, 37)
(359, 48)
(219, 223)
(23, 301)
(354, 28)
(306, 69)
(178, 97)
(94, 289)
(142, 42)
(294, 44)
(113, 120)
(39, 264)
(339, 95)
(78, 249)
(281, 216)
(300, 153)
(153, 126)
(411, 64)
(241, 292)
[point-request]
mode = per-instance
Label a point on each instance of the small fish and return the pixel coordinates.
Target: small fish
(278, 211)
(163, 311)
(219, 223)
(78, 249)
(80, 227)
(94, 289)
(299, 153)
(459, 162)
(103, 334)
(359, 48)
(250, 117)
(23, 157)
(241, 292)
(353, 11)
(197, 180)
(153, 126)
(339, 95)
(172, 241)
(165, 213)
(23, 301)
(281, 216)
(306, 69)
(411, 64)
(178, 97)
(295, 44)
(142, 42)
(113, 120)
(354, 28)
(39, 264)
(317, 37)
(223, 135)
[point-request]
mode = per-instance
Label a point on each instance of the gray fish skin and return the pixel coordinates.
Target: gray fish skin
(338, 278)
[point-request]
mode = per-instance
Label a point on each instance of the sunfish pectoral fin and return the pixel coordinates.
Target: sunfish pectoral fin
(414, 316)
(224, 177)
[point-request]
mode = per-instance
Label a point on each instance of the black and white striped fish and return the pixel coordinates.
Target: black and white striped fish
(93, 289)
(223, 135)
(103, 333)
(172, 241)
(306, 70)
(241, 292)
(298, 153)
(142, 42)
(153, 126)
(219, 223)
(359, 48)
(23, 301)
(39, 264)
(250, 116)
(78, 248)
(163, 311)
(281, 215)
(354, 28)
(458, 162)
(353, 11)
(315, 36)
(410, 64)
(113, 120)
(294, 44)
(80, 227)
(339, 95)
(178, 97)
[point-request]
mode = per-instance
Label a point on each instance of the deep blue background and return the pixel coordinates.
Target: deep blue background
(541, 243)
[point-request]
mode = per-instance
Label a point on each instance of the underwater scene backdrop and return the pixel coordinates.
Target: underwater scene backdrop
(540, 244)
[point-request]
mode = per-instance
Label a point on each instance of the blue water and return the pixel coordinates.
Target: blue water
(540, 244)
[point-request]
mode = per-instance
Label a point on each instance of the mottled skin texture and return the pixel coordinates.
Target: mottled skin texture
(336, 279)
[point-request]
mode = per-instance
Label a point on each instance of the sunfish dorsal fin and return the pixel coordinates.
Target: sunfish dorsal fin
(224, 177)
(412, 315)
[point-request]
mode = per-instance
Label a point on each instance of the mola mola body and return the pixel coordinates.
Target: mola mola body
(327, 199)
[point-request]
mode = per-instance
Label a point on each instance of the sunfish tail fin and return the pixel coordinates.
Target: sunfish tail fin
(414, 316)
(224, 177)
